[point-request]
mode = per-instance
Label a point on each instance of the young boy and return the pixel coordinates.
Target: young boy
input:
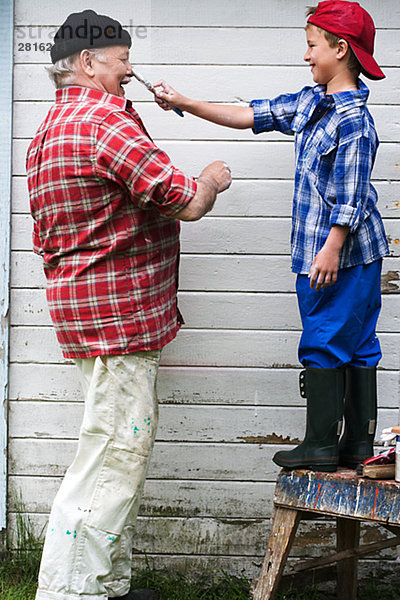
(338, 239)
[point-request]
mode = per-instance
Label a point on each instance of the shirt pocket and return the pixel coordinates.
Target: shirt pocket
(320, 154)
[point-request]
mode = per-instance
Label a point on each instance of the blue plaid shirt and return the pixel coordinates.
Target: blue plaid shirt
(336, 144)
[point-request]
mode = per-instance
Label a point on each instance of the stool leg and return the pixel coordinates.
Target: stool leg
(284, 528)
(348, 537)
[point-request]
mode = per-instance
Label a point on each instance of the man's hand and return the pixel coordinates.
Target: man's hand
(324, 268)
(217, 174)
(215, 178)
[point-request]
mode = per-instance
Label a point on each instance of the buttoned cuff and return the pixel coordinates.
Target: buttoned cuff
(346, 216)
(263, 120)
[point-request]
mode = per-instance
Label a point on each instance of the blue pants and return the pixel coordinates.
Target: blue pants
(339, 321)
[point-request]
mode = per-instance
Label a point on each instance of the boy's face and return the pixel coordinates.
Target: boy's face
(321, 57)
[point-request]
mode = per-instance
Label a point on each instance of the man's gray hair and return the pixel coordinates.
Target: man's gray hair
(63, 71)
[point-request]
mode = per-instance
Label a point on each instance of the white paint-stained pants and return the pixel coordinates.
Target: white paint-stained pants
(88, 547)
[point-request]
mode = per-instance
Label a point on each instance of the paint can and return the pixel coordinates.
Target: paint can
(397, 471)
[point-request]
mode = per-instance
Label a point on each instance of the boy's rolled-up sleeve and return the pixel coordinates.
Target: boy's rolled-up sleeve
(352, 173)
(276, 114)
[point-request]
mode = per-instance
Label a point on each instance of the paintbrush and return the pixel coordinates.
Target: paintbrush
(152, 89)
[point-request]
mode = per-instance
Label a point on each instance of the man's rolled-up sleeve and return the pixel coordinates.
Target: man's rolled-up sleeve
(125, 154)
(352, 172)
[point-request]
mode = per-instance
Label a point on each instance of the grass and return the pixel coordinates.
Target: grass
(18, 575)
(171, 586)
(19, 566)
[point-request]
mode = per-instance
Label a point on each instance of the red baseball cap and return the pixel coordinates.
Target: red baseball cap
(349, 21)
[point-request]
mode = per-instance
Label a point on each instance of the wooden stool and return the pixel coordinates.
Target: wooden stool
(342, 495)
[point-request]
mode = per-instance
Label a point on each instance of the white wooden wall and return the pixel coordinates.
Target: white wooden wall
(228, 386)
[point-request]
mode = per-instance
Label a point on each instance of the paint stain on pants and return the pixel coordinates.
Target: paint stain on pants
(88, 546)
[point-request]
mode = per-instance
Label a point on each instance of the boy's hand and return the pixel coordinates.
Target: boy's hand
(324, 268)
(229, 115)
(173, 99)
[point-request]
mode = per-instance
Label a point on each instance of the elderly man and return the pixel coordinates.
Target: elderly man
(106, 204)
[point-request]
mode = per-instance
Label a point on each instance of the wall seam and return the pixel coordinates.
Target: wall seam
(6, 96)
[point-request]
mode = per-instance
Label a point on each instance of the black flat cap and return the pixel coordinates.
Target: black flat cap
(88, 30)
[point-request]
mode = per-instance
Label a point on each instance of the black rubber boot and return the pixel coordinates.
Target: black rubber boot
(143, 594)
(324, 390)
(360, 411)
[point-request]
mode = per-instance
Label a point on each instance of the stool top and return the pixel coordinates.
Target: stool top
(339, 494)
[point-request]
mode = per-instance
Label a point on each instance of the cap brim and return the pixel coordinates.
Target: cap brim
(369, 66)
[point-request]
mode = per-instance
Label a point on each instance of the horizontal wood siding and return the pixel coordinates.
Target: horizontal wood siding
(228, 383)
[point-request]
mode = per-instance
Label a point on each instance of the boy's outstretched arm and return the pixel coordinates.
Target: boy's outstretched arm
(324, 268)
(237, 117)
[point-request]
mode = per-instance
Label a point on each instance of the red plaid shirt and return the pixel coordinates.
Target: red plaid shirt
(103, 197)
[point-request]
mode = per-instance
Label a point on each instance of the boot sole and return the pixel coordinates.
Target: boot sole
(350, 465)
(353, 462)
(324, 468)
(317, 468)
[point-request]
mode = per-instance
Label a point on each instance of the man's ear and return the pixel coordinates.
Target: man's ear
(86, 61)
(342, 49)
